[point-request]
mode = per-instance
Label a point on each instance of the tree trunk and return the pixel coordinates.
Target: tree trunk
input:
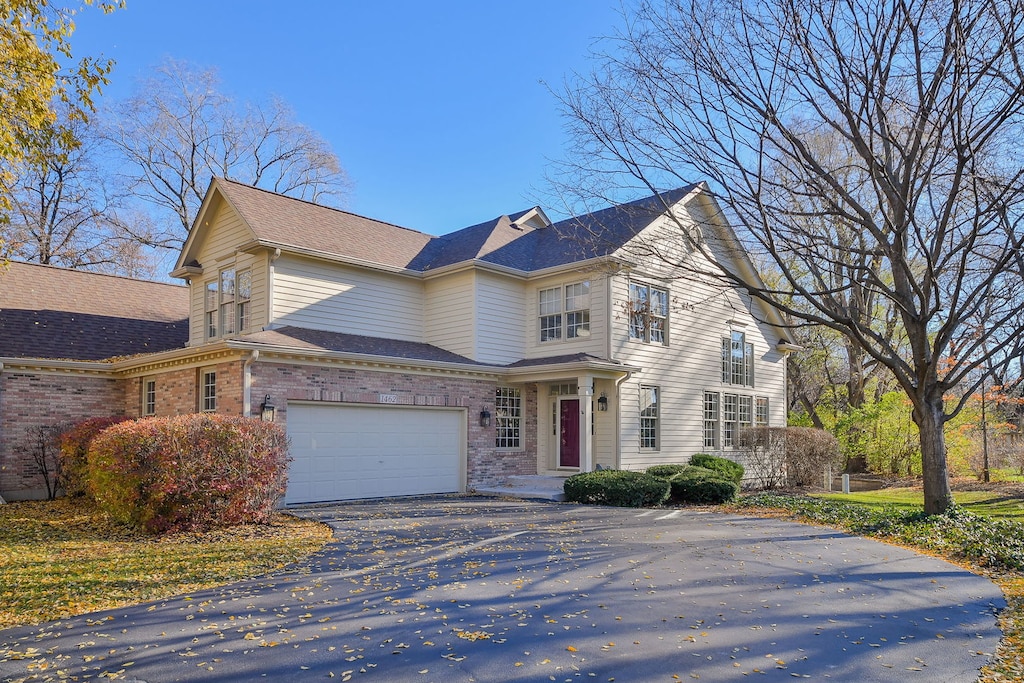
(930, 419)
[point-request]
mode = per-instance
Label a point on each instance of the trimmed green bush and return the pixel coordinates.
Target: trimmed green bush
(701, 486)
(665, 471)
(621, 488)
(733, 471)
(189, 472)
(74, 449)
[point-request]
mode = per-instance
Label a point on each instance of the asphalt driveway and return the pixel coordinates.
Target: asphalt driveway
(475, 589)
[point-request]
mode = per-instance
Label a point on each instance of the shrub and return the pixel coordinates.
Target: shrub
(732, 471)
(809, 453)
(702, 486)
(621, 488)
(74, 449)
(190, 472)
(665, 471)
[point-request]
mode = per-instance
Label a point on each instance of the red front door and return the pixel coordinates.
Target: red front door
(569, 433)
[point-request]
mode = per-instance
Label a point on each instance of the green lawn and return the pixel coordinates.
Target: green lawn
(985, 503)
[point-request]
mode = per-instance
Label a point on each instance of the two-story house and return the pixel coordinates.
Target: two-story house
(403, 363)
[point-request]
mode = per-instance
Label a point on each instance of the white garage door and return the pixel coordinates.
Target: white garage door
(348, 452)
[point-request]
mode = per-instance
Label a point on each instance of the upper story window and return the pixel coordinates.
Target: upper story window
(564, 312)
(227, 301)
(210, 307)
(648, 313)
(737, 360)
(243, 293)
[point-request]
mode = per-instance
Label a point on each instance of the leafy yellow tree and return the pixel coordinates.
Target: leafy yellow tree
(37, 72)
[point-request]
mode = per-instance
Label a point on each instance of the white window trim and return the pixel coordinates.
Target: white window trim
(208, 390)
(510, 400)
(656, 417)
(647, 313)
(148, 405)
(560, 332)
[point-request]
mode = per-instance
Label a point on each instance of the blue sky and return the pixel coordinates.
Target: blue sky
(437, 110)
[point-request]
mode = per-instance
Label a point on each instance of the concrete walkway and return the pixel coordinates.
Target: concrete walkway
(475, 589)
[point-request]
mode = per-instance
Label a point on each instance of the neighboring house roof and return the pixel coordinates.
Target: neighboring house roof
(282, 222)
(48, 312)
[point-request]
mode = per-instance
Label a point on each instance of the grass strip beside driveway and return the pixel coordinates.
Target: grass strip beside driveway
(62, 558)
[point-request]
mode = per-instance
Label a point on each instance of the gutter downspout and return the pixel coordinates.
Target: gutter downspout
(618, 399)
(270, 289)
(247, 382)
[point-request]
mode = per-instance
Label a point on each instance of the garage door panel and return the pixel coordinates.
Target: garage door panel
(349, 452)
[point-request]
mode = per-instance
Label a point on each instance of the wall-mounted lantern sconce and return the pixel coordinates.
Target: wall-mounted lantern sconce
(485, 418)
(267, 410)
(602, 403)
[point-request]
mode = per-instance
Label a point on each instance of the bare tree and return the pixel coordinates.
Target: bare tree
(921, 210)
(62, 210)
(178, 130)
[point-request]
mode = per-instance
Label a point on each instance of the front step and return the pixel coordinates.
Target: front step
(530, 486)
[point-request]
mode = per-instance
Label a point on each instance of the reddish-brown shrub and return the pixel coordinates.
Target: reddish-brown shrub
(189, 472)
(74, 448)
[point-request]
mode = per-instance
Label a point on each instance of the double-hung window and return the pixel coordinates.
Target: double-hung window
(208, 388)
(710, 419)
(577, 310)
(761, 411)
(210, 307)
(648, 313)
(227, 301)
(149, 397)
(243, 293)
(564, 312)
(508, 410)
(737, 360)
(649, 409)
(730, 421)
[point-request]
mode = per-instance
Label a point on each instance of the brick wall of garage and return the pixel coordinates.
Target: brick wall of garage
(177, 391)
(485, 465)
(29, 400)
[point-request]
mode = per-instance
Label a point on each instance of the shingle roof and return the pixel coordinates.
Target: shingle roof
(48, 312)
(320, 340)
(286, 221)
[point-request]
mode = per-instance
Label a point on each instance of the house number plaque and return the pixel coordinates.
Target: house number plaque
(388, 398)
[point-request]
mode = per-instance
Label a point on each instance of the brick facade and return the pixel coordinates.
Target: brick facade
(484, 464)
(30, 400)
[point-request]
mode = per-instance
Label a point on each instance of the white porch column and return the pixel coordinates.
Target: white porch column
(585, 390)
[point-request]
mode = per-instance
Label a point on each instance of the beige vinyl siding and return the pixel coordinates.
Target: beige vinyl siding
(500, 308)
(699, 317)
(227, 232)
(217, 252)
(448, 316)
(595, 345)
(338, 298)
